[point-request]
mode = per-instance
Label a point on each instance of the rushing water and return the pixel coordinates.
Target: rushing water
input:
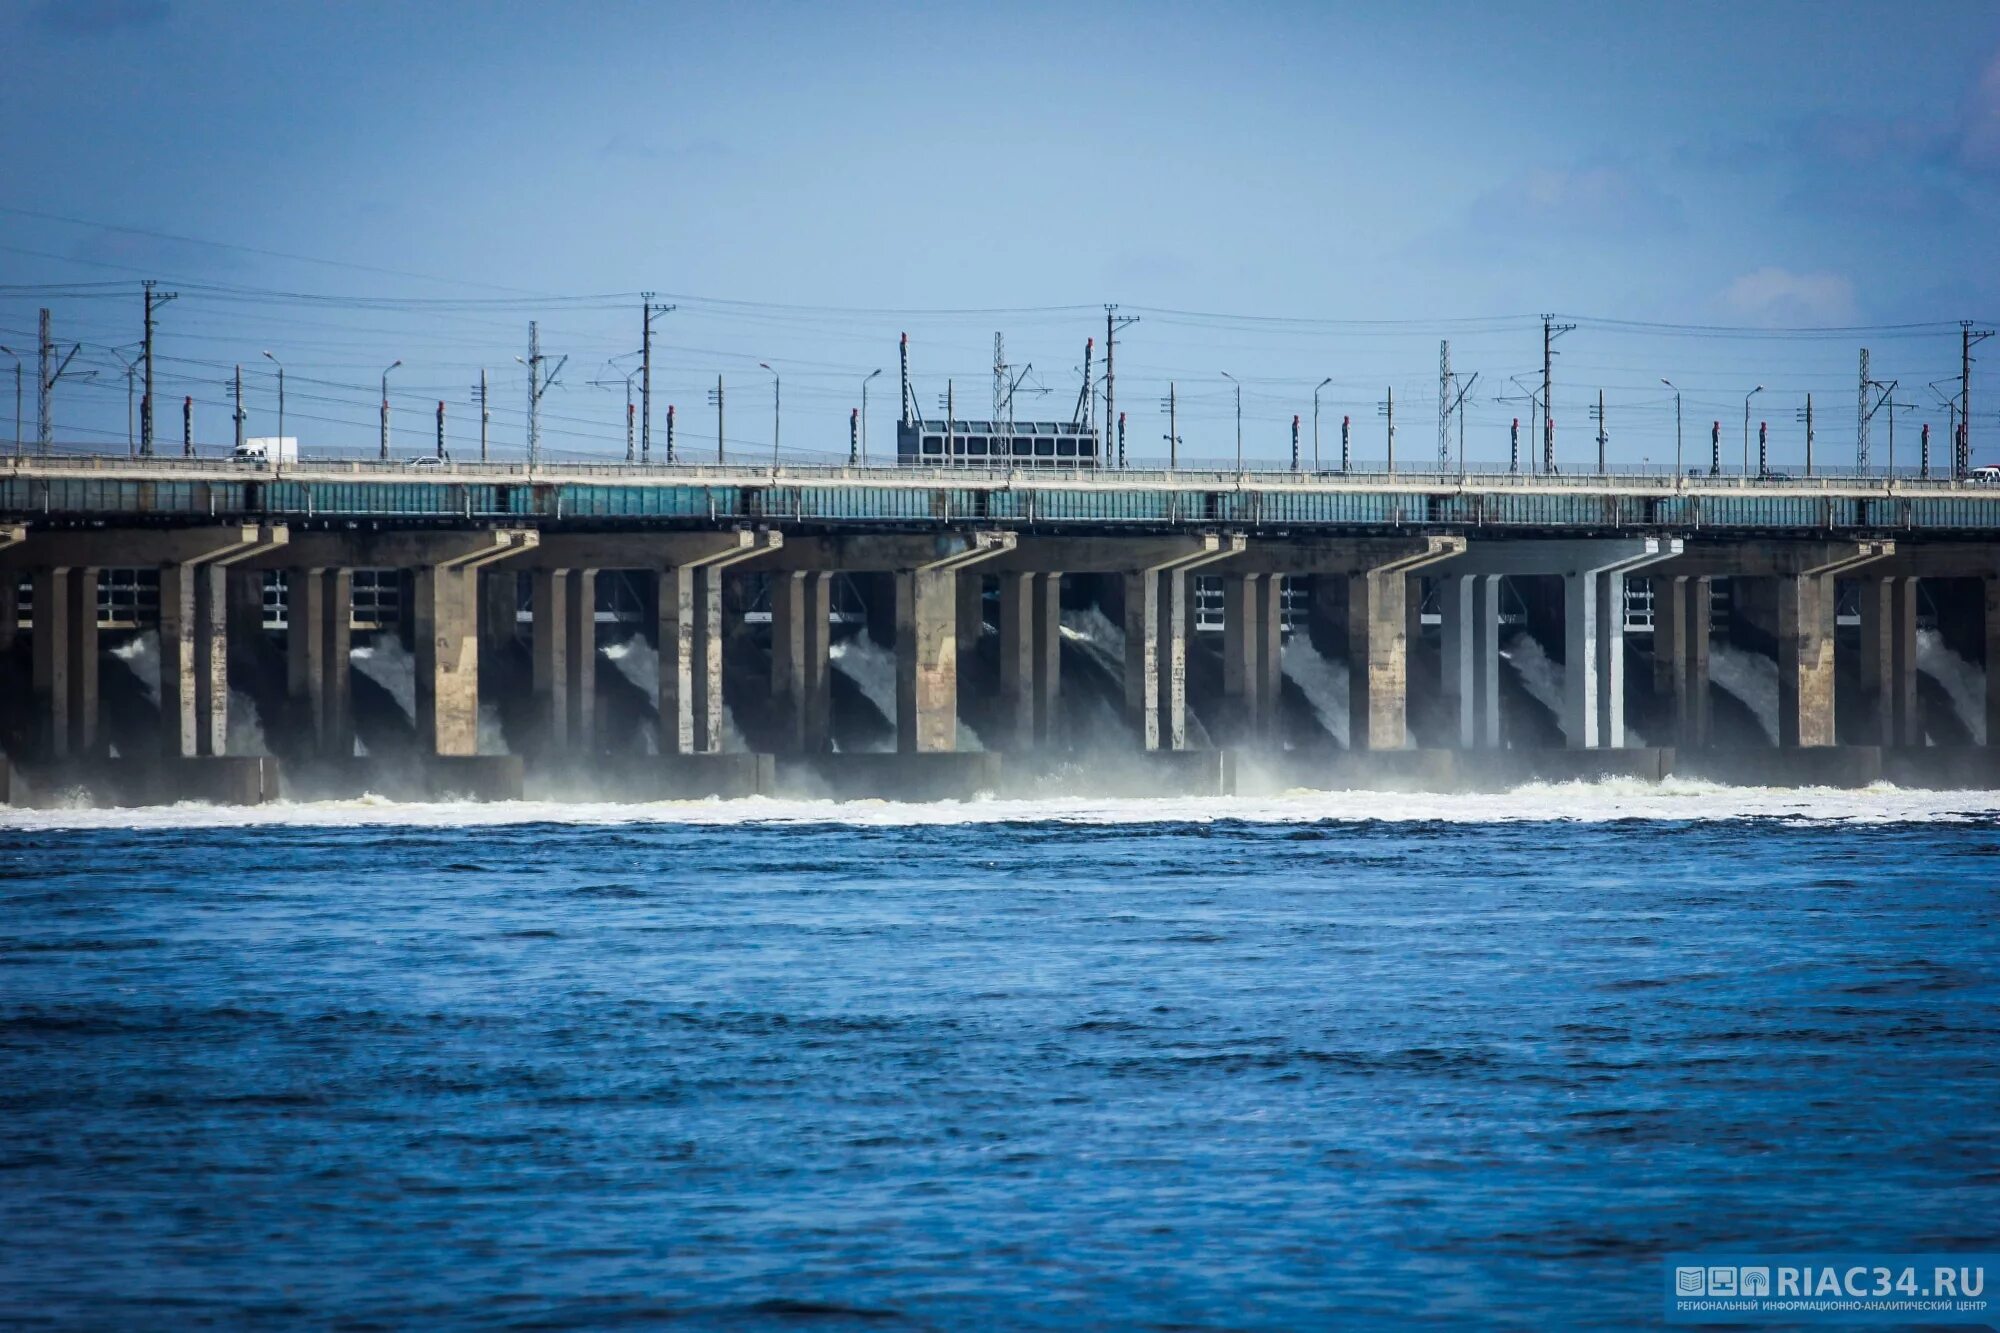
(1305, 1062)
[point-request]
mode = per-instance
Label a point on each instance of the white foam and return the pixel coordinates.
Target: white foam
(1673, 799)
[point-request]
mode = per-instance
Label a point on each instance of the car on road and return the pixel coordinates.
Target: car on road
(424, 460)
(1985, 476)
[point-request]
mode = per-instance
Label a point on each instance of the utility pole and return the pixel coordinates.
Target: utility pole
(1346, 454)
(1514, 447)
(715, 401)
(1598, 413)
(1924, 458)
(1763, 450)
(1550, 332)
(1861, 415)
(154, 300)
(1715, 450)
(1239, 416)
(1172, 406)
(385, 394)
(440, 452)
(236, 414)
(538, 384)
(187, 426)
(853, 436)
(1458, 406)
(1806, 416)
(1444, 407)
(645, 380)
(1967, 336)
(1387, 408)
(17, 397)
(1121, 440)
(1677, 423)
(1295, 442)
(1113, 322)
(479, 396)
(1316, 388)
(49, 373)
(672, 457)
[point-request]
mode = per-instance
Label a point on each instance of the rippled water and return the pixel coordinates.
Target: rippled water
(1276, 1072)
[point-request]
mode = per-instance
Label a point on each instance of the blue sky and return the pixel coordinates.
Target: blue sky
(825, 177)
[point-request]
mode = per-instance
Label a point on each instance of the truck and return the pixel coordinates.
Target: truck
(267, 449)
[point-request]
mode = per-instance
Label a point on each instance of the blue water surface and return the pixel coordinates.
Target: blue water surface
(979, 1076)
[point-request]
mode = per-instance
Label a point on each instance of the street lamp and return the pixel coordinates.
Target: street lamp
(385, 406)
(1316, 388)
(776, 416)
(864, 413)
(131, 371)
(1239, 417)
(17, 397)
(281, 401)
(1746, 427)
(1677, 424)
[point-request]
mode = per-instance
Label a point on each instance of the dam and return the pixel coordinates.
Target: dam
(186, 628)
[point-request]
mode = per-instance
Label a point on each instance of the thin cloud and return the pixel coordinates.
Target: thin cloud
(1777, 298)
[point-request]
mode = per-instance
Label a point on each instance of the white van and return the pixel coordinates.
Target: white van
(1984, 476)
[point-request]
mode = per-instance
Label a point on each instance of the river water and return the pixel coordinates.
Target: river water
(1328, 1061)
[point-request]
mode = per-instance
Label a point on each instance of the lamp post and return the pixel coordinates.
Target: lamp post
(1677, 424)
(131, 369)
(17, 397)
(1746, 427)
(864, 413)
(776, 415)
(1316, 388)
(281, 401)
(385, 406)
(1239, 417)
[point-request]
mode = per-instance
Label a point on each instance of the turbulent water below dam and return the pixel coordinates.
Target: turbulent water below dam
(1333, 1060)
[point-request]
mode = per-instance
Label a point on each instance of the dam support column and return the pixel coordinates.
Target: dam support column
(551, 652)
(52, 606)
(928, 601)
(1031, 657)
(1156, 606)
(1992, 589)
(800, 668)
(1680, 654)
(1888, 677)
(318, 637)
(194, 638)
(446, 631)
(1470, 620)
(580, 648)
(1242, 645)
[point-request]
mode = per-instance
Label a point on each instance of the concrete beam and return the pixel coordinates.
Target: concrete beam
(888, 552)
(1773, 558)
(118, 548)
(647, 550)
(1344, 555)
(1378, 615)
(353, 549)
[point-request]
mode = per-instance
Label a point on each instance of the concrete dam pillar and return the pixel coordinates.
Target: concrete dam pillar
(1888, 676)
(1252, 664)
(801, 612)
(318, 637)
(1680, 654)
(1471, 643)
